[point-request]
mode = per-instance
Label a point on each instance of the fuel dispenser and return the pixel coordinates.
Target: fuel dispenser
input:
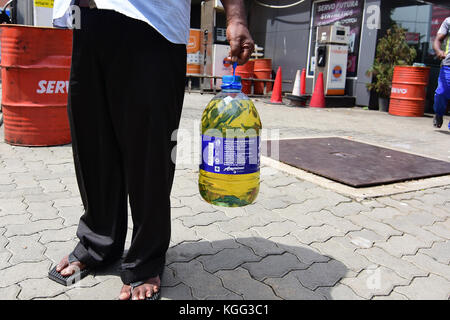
(332, 57)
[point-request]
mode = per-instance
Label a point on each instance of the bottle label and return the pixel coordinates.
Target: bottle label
(230, 155)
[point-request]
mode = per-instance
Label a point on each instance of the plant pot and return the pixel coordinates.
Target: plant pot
(383, 104)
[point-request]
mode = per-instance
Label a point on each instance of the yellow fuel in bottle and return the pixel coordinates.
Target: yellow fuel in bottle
(230, 165)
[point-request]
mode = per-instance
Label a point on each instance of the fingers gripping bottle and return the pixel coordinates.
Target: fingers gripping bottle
(231, 127)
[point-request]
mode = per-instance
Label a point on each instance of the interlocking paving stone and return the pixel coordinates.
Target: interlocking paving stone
(57, 250)
(176, 213)
(430, 288)
(218, 239)
(325, 274)
(3, 240)
(330, 197)
(281, 180)
(5, 256)
(240, 281)
(23, 271)
(9, 293)
(228, 259)
(204, 219)
(187, 251)
(234, 212)
(33, 227)
(276, 229)
(420, 206)
(169, 279)
(39, 288)
(71, 215)
(271, 204)
(440, 251)
(12, 206)
(178, 292)
(289, 288)
(64, 234)
(338, 292)
(52, 196)
(433, 198)
(274, 266)
(439, 229)
(403, 224)
(402, 245)
(383, 213)
(402, 267)
(197, 204)
(67, 202)
(306, 254)
(42, 210)
(25, 249)
(392, 296)
(345, 254)
(316, 234)
(5, 221)
(202, 283)
(241, 223)
(262, 213)
(364, 238)
(106, 290)
(397, 205)
(342, 224)
(181, 233)
(52, 185)
(382, 229)
(374, 281)
(261, 247)
(429, 264)
(348, 209)
(294, 213)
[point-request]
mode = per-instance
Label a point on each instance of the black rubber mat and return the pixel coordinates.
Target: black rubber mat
(356, 164)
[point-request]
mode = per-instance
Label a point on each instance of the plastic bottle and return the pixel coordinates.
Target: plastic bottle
(229, 169)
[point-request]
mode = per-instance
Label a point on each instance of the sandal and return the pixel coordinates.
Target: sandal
(68, 280)
(154, 296)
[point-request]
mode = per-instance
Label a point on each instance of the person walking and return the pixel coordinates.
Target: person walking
(126, 93)
(443, 90)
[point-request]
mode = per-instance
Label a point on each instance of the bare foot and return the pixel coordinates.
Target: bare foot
(67, 269)
(141, 292)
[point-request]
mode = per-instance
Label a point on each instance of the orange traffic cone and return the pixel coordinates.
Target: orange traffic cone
(303, 83)
(318, 97)
(277, 88)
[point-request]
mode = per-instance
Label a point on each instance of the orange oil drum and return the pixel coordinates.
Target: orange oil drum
(409, 89)
(35, 76)
(246, 71)
(263, 70)
(193, 52)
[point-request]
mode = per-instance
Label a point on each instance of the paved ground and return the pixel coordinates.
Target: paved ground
(298, 241)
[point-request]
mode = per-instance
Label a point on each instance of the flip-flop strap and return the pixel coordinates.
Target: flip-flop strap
(72, 258)
(136, 284)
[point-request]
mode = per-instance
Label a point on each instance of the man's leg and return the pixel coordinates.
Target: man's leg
(442, 95)
(98, 162)
(145, 83)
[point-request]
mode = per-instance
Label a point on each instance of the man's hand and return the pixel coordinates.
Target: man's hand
(441, 54)
(241, 42)
(238, 36)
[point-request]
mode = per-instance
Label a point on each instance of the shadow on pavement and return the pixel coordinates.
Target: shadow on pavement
(246, 268)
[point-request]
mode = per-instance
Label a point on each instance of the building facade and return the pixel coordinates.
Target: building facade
(288, 35)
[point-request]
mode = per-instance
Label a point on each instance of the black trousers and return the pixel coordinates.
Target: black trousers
(125, 100)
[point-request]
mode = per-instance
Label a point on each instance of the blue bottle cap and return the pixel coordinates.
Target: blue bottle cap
(231, 82)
